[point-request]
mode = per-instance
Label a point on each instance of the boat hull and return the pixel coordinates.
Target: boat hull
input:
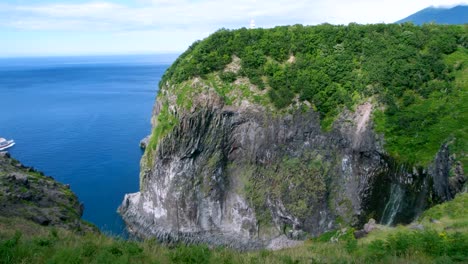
(9, 145)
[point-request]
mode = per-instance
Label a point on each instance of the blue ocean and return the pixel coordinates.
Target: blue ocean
(80, 120)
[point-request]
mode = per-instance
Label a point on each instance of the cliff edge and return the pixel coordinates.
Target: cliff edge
(28, 194)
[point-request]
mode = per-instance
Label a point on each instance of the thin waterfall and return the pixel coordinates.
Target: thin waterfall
(393, 205)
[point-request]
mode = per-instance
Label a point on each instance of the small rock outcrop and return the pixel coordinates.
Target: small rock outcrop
(27, 193)
(144, 142)
(370, 226)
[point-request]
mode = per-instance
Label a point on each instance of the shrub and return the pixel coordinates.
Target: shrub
(429, 242)
(115, 250)
(132, 248)
(289, 260)
(326, 237)
(88, 249)
(228, 77)
(43, 242)
(8, 249)
(66, 255)
(457, 246)
(398, 244)
(376, 250)
(195, 254)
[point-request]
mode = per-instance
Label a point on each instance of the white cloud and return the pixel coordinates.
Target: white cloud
(205, 13)
(184, 21)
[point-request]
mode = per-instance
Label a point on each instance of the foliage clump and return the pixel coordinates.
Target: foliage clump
(447, 246)
(298, 182)
(166, 121)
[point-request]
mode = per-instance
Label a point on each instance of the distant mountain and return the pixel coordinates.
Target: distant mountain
(440, 15)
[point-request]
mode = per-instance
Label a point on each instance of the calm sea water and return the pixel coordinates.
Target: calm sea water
(80, 119)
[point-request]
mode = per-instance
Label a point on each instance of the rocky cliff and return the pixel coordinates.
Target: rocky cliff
(243, 175)
(224, 166)
(29, 194)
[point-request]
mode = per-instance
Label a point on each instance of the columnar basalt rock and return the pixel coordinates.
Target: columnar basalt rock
(242, 175)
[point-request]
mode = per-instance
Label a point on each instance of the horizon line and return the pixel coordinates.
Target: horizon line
(13, 56)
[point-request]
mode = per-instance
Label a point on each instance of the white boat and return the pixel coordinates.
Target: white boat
(4, 144)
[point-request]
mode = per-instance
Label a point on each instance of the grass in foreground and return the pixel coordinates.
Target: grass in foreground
(442, 241)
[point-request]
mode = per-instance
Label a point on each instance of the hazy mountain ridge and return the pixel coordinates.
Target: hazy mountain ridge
(440, 15)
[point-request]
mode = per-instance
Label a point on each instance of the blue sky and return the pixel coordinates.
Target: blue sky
(86, 27)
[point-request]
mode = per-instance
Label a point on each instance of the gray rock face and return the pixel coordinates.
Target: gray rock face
(241, 176)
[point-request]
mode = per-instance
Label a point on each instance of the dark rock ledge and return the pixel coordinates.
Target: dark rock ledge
(29, 194)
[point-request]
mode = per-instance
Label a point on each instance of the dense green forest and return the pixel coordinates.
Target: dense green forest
(417, 75)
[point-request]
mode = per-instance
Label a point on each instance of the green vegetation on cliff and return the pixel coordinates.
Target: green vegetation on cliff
(417, 74)
(295, 181)
(444, 240)
(165, 123)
